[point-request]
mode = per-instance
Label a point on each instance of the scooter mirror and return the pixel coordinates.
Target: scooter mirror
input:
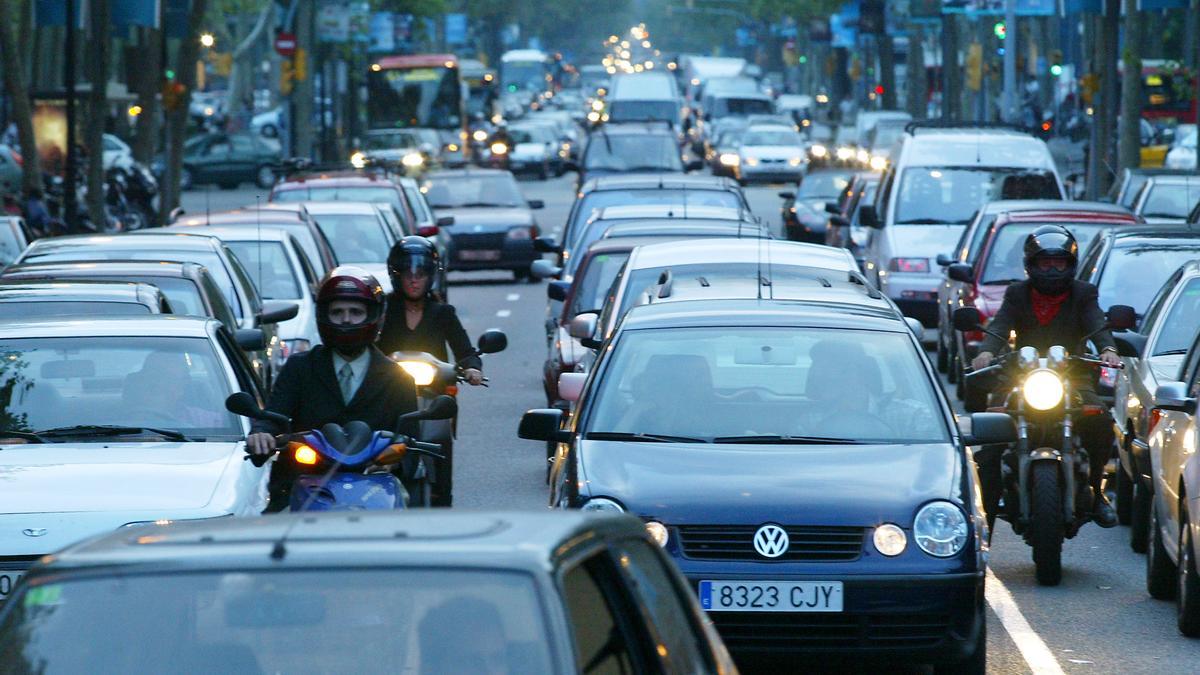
(492, 341)
(242, 403)
(441, 408)
(967, 318)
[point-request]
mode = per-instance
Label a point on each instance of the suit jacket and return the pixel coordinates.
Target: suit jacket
(1079, 315)
(307, 391)
(439, 327)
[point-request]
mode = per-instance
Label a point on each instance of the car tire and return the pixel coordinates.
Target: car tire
(1188, 607)
(185, 178)
(264, 177)
(1124, 494)
(976, 663)
(943, 354)
(521, 274)
(1160, 573)
(1046, 527)
(1139, 516)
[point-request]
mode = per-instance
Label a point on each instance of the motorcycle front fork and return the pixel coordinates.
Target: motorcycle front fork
(1073, 469)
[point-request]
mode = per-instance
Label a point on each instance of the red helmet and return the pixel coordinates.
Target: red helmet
(347, 282)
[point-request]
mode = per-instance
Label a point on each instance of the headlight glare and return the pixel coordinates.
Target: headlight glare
(819, 151)
(730, 159)
(480, 135)
(1043, 389)
(499, 149)
(940, 529)
(422, 373)
(658, 532)
(412, 160)
(890, 540)
(602, 505)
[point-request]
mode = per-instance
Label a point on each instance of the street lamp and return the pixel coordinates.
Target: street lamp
(207, 40)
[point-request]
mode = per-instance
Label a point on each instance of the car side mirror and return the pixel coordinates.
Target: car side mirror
(583, 326)
(544, 269)
(445, 221)
(277, 311)
(1174, 396)
(944, 260)
(1122, 317)
(868, 216)
(787, 194)
(1130, 344)
(541, 424)
(991, 428)
(492, 341)
(838, 220)
(427, 230)
(440, 408)
(693, 165)
(967, 319)
(546, 245)
(832, 208)
(961, 272)
(570, 386)
(250, 339)
(536, 204)
(557, 290)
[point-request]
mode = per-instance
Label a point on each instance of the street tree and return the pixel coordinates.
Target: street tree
(15, 84)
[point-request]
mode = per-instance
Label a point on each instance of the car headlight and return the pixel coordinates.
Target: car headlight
(844, 154)
(499, 149)
(878, 163)
(480, 135)
(1043, 389)
(421, 372)
(890, 540)
(658, 532)
(730, 159)
(602, 505)
(795, 161)
(750, 161)
(862, 156)
(358, 160)
(819, 151)
(412, 160)
(940, 529)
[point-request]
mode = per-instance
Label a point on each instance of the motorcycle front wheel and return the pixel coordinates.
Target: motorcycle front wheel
(1046, 522)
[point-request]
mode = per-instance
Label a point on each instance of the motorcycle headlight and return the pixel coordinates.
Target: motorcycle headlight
(358, 160)
(480, 135)
(940, 529)
(603, 505)
(422, 373)
(1043, 389)
(658, 532)
(730, 159)
(499, 149)
(819, 151)
(878, 163)
(412, 160)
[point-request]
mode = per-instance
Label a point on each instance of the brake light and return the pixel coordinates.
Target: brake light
(909, 265)
(304, 454)
(1155, 415)
(1093, 410)
(1108, 376)
(17, 158)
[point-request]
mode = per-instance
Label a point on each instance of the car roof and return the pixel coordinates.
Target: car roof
(102, 268)
(75, 290)
(632, 127)
(342, 208)
(669, 211)
(975, 147)
(699, 251)
(140, 239)
(154, 325)
(1136, 236)
(240, 216)
(348, 178)
(615, 245)
(818, 309)
(529, 540)
(660, 182)
(1002, 205)
(460, 173)
(241, 233)
(664, 227)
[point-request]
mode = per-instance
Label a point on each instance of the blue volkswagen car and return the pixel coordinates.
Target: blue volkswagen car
(798, 460)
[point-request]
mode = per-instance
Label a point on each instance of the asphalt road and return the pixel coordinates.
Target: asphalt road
(1099, 620)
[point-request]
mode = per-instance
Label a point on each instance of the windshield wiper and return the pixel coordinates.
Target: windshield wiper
(1171, 352)
(110, 430)
(631, 436)
(787, 440)
(471, 205)
(24, 435)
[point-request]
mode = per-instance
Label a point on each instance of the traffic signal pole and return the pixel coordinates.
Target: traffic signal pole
(1011, 112)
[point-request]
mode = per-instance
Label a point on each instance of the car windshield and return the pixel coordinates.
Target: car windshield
(1134, 274)
(823, 185)
(595, 281)
(183, 294)
(1005, 262)
(128, 380)
(732, 382)
(632, 152)
(782, 137)
(269, 268)
(474, 191)
(355, 238)
(389, 140)
(35, 309)
(633, 111)
(281, 621)
(1171, 200)
(537, 134)
(1182, 321)
(599, 199)
(382, 194)
(742, 106)
(954, 195)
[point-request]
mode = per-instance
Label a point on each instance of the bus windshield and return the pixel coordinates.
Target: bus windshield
(428, 97)
(524, 75)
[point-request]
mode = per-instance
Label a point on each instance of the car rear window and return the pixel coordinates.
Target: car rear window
(1005, 262)
(355, 238)
(42, 309)
(383, 193)
(1134, 274)
(269, 268)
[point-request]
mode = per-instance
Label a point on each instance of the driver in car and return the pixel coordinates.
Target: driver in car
(345, 378)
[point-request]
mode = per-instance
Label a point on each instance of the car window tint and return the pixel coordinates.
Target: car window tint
(673, 622)
(603, 641)
(1180, 321)
(43, 309)
(594, 283)
(311, 277)
(355, 238)
(1133, 274)
(220, 308)
(269, 268)
(1171, 200)
(182, 293)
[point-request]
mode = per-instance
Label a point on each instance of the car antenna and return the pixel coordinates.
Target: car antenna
(207, 222)
(258, 236)
(607, 143)
(770, 272)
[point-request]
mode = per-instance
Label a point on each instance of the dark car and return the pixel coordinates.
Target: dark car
(291, 217)
(632, 148)
(226, 160)
(845, 228)
(431, 593)
(28, 300)
(1124, 190)
(493, 228)
(803, 211)
(810, 517)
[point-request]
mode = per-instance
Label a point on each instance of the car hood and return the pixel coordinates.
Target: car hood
(465, 220)
(1166, 367)
(770, 151)
(925, 241)
(748, 484)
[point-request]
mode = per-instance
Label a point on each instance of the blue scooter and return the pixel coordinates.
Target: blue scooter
(345, 469)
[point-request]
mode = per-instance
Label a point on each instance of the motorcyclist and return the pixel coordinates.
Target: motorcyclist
(418, 323)
(1051, 308)
(345, 378)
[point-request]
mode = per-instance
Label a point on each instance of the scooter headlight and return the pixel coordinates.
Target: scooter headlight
(422, 373)
(480, 135)
(499, 149)
(1043, 389)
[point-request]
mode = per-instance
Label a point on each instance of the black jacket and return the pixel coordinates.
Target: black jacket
(1078, 316)
(439, 326)
(307, 391)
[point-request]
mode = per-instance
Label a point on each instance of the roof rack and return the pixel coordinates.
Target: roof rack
(932, 125)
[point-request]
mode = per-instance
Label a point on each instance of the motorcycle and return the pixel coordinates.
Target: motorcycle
(436, 379)
(1047, 493)
(360, 461)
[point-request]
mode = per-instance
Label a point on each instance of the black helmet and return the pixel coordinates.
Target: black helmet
(346, 282)
(1051, 241)
(413, 254)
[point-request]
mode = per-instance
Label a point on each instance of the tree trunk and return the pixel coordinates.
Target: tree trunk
(1129, 154)
(97, 110)
(303, 91)
(914, 78)
(1110, 31)
(185, 70)
(18, 95)
(241, 73)
(887, 69)
(146, 86)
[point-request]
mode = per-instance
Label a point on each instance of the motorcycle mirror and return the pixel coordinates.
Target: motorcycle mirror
(1121, 317)
(492, 341)
(242, 403)
(967, 318)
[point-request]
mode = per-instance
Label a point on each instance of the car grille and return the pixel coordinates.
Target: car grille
(805, 631)
(18, 561)
(806, 543)
(485, 240)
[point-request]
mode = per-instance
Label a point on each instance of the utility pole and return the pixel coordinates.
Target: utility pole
(70, 178)
(1129, 137)
(1010, 112)
(1109, 40)
(303, 93)
(951, 73)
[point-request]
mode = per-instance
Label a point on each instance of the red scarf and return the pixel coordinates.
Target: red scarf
(1046, 307)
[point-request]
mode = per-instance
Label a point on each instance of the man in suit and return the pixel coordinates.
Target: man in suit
(1052, 308)
(345, 378)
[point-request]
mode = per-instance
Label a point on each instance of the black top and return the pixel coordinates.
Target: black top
(1079, 315)
(307, 391)
(439, 327)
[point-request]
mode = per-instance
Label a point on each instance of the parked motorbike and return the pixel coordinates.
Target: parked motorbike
(361, 462)
(1047, 493)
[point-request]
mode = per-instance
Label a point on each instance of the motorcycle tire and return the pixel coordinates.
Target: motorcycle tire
(420, 494)
(1046, 527)
(1139, 517)
(1188, 607)
(1124, 495)
(1160, 571)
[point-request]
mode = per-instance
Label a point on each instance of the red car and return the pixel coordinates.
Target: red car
(982, 284)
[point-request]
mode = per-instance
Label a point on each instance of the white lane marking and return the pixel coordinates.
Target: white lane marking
(513, 297)
(1035, 652)
(504, 313)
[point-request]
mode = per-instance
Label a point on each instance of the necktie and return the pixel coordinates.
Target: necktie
(346, 381)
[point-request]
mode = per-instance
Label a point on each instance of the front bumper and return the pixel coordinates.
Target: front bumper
(490, 251)
(770, 173)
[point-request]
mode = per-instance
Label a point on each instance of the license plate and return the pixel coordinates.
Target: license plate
(8, 581)
(478, 255)
(771, 596)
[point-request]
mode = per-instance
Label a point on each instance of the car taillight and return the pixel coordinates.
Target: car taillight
(909, 265)
(17, 158)
(1155, 415)
(1108, 377)
(521, 233)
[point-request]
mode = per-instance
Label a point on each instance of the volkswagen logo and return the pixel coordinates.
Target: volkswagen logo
(771, 541)
(34, 531)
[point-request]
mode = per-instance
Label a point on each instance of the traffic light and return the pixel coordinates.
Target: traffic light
(286, 77)
(300, 65)
(172, 95)
(1000, 30)
(1056, 57)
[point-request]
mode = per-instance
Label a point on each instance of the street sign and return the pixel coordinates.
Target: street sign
(285, 44)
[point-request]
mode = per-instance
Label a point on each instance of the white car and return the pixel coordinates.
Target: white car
(1182, 154)
(358, 234)
(770, 153)
(116, 421)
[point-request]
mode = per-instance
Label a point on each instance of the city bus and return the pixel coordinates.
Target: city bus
(526, 69)
(421, 91)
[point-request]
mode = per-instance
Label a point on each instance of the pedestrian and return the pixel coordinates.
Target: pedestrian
(37, 217)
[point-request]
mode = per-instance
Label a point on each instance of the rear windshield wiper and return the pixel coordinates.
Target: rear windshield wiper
(652, 438)
(787, 440)
(110, 430)
(473, 205)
